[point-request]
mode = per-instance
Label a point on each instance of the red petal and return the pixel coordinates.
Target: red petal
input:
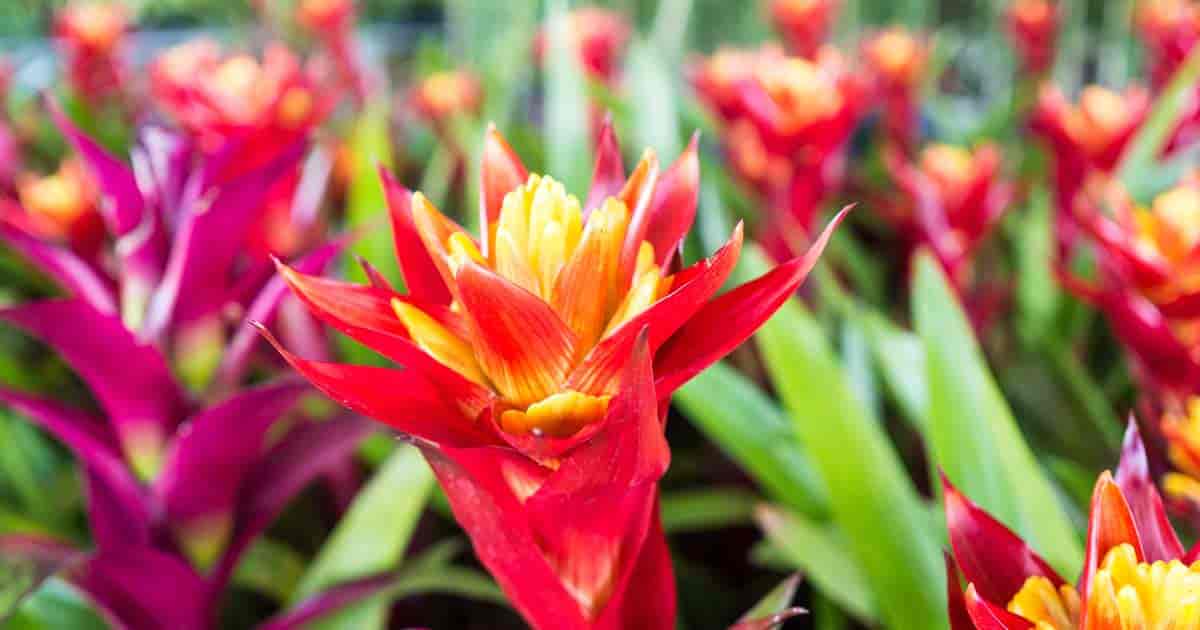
(495, 520)
(403, 399)
(365, 313)
(599, 370)
(960, 619)
(421, 276)
(653, 583)
(1155, 531)
(724, 323)
(522, 345)
(988, 616)
(673, 208)
(636, 195)
(500, 172)
(992, 557)
(1110, 524)
(609, 174)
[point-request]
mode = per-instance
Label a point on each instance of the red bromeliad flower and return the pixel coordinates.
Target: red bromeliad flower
(1149, 291)
(897, 59)
(62, 207)
(953, 197)
(333, 22)
(538, 360)
(598, 37)
(246, 112)
(441, 96)
(1033, 25)
(804, 24)
(1136, 573)
(788, 121)
(1085, 138)
(1168, 29)
(90, 35)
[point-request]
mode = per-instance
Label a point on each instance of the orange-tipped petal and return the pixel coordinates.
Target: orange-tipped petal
(673, 208)
(609, 173)
(421, 274)
(637, 195)
(500, 172)
(724, 323)
(599, 370)
(989, 616)
(586, 292)
(520, 342)
(439, 234)
(1110, 524)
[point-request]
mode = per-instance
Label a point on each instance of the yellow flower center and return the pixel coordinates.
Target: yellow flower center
(542, 244)
(951, 167)
(897, 55)
(1125, 595)
(295, 107)
(804, 91)
(447, 92)
(1100, 116)
(1182, 429)
(1031, 12)
(97, 25)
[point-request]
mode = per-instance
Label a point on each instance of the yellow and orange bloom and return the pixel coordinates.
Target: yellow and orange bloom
(90, 35)
(442, 96)
(1033, 26)
(1149, 283)
(62, 206)
(897, 59)
(787, 122)
(1181, 427)
(537, 358)
(804, 24)
(1136, 572)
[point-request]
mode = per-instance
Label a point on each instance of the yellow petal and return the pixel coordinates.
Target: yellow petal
(438, 342)
(559, 415)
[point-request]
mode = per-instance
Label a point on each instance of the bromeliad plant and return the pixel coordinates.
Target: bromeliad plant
(1136, 573)
(178, 482)
(539, 362)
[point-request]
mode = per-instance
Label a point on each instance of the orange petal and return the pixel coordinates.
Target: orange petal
(436, 230)
(1110, 524)
(521, 344)
(585, 291)
(637, 194)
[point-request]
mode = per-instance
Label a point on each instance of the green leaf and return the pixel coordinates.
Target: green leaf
(656, 119)
(900, 357)
(708, 509)
(1142, 154)
(1037, 290)
(776, 601)
(748, 427)
(270, 567)
(822, 556)
(873, 502)
(973, 435)
(56, 604)
(567, 132)
(366, 205)
(372, 536)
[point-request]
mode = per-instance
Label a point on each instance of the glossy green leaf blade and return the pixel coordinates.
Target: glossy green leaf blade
(56, 604)
(972, 433)
(778, 599)
(366, 206)
(748, 427)
(707, 509)
(1142, 154)
(900, 357)
(873, 502)
(372, 536)
(822, 556)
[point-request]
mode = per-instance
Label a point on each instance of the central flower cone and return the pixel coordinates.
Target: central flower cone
(579, 286)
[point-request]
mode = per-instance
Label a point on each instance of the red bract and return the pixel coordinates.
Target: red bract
(951, 199)
(1135, 572)
(332, 22)
(897, 59)
(804, 24)
(1168, 29)
(1147, 289)
(441, 96)
(537, 361)
(90, 36)
(788, 121)
(1033, 25)
(1085, 138)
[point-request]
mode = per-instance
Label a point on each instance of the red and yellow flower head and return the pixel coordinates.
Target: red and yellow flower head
(598, 37)
(1149, 277)
(787, 123)
(62, 206)
(1169, 29)
(804, 24)
(537, 358)
(90, 35)
(326, 18)
(1136, 572)
(897, 59)
(1033, 26)
(952, 196)
(219, 97)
